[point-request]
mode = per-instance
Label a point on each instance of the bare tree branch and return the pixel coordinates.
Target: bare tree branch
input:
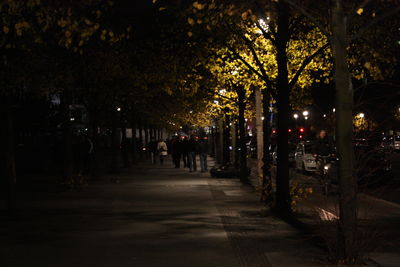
(251, 68)
(266, 34)
(305, 63)
(310, 17)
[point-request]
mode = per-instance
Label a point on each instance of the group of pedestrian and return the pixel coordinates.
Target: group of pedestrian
(187, 149)
(183, 150)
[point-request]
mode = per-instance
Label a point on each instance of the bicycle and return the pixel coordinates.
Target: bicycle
(321, 173)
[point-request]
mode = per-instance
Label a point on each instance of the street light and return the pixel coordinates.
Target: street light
(295, 116)
(361, 115)
(305, 114)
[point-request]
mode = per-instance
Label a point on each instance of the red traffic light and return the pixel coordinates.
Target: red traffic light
(289, 130)
(302, 130)
(274, 131)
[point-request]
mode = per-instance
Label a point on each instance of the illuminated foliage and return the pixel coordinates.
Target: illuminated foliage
(250, 40)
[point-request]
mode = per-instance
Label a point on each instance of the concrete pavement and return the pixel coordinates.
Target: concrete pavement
(155, 216)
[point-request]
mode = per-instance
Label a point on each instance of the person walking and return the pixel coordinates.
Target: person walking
(176, 152)
(153, 150)
(185, 151)
(162, 150)
(192, 149)
(203, 152)
(322, 149)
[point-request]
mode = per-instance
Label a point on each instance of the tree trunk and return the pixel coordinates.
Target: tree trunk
(235, 144)
(67, 137)
(242, 136)
(226, 141)
(9, 155)
(146, 141)
(283, 202)
(140, 141)
(95, 139)
(146, 136)
(124, 143)
(267, 179)
(344, 132)
(114, 142)
(259, 135)
(134, 140)
(220, 142)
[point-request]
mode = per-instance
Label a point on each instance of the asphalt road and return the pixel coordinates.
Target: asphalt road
(391, 190)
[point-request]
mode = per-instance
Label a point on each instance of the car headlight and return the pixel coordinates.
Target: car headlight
(326, 168)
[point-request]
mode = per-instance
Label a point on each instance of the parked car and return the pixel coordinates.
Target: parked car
(395, 143)
(371, 166)
(304, 159)
(391, 143)
(252, 148)
(292, 151)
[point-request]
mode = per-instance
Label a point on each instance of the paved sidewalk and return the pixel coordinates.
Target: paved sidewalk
(155, 216)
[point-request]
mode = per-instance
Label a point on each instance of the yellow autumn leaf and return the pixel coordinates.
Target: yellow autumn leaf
(198, 6)
(190, 21)
(19, 32)
(360, 11)
(111, 34)
(190, 34)
(102, 37)
(62, 23)
(162, 8)
(244, 15)
(6, 29)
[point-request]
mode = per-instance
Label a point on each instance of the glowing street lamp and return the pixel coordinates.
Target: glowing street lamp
(361, 115)
(305, 114)
(296, 116)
